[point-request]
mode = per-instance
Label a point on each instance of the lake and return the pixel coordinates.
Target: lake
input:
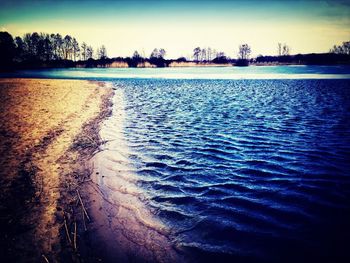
(252, 72)
(245, 169)
(241, 164)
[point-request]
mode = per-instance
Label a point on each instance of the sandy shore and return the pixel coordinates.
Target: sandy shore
(47, 131)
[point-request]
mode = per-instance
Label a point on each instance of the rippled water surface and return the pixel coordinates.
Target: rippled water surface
(241, 164)
(245, 169)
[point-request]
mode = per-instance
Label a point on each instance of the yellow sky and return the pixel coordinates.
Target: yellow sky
(179, 33)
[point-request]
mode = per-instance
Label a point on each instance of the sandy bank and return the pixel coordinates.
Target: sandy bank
(46, 129)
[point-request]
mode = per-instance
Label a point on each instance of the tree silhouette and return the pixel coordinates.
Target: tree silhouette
(136, 55)
(285, 50)
(47, 45)
(157, 57)
(181, 59)
(67, 47)
(279, 49)
(59, 46)
(34, 48)
(161, 53)
(89, 52)
(7, 49)
(135, 59)
(102, 52)
(343, 49)
(220, 58)
(76, 49)
(244, 51)
(83, 51)
(203, 54)
(20, 49)
(209, 54)
(154, 54)
(196, 53)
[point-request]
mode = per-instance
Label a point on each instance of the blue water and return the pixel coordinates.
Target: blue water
(242, 164)
(245, 170)
(252, 72)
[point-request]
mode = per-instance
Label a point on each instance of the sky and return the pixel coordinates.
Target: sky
(179, 26)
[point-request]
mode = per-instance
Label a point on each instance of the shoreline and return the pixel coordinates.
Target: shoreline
(47, 135)
(75, 203)
(170, 64)
(77, 169)
(123, 227)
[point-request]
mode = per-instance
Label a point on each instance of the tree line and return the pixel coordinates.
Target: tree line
(341, 49)
(37, 49)
(45, 47)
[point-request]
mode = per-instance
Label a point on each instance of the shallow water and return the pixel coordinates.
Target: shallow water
(244, 169)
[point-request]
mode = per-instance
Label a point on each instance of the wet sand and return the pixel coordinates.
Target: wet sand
(69, 193)
(47, 134)
(122, 222)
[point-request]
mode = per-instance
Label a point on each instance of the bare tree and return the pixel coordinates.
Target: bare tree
(155, 53)
(57, 46)
(279, 49)
(220, 54)
(102, 53)
(136, 55)
(158, 53)
(76, 49)
(162, 53)
(285, 50)
(244, 51)
(97, 53)
(89, 52)
(346, 47)
(67, 47)
(83, 51)
(214, 53)
(196, 53)
(343, 49)
(203, 54)
(29, 46)
(209, 54)
(47, 47)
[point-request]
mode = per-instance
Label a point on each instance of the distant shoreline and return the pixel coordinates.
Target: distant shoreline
(300, 59)
(35, 51)
(191, 64)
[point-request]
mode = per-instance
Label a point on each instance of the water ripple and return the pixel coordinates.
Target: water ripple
(245, 170)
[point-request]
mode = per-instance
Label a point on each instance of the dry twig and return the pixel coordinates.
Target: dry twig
(67, 232)
(75, 236)
(45, 258)
(82, 204)
(85, 228)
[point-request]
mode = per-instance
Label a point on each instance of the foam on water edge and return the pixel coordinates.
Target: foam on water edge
(124, 224)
